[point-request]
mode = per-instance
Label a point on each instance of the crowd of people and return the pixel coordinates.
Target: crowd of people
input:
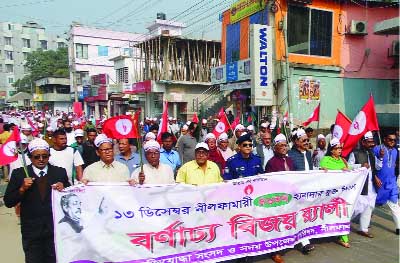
(58, 150)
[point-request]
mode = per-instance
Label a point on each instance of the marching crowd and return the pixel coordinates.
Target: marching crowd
(58, 150)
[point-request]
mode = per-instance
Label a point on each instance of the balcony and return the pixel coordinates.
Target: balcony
(37, 97)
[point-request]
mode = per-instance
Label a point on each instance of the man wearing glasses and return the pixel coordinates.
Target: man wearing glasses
(244, 163)
(107, 169)
(33, 190)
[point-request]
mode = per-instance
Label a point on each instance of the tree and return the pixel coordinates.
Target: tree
(42, 64)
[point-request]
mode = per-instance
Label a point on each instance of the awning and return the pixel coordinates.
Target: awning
(387, 27)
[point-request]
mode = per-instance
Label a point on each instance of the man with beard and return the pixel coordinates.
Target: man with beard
(66, 157)
(69, 132)
(89, 155)
(320, 151)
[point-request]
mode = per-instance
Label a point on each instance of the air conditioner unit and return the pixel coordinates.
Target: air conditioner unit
(394, 50)
(358, 27)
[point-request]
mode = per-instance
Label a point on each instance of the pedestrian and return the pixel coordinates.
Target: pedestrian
(78, 144)
(126, 156)
(264, 149)
(187, 144)
(69, 132)
(33, 191)
(385, 180)
(199, 171)
(310, 132)
(213, 153)
(167, 154)
(319, 151)
(89, 154)
(223, 148)
(154, 172)
(239, 130)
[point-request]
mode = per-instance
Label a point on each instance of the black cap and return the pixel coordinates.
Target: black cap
(244, 138)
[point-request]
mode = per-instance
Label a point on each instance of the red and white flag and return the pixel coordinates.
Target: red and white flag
(235, 122)
(314, 116)
(342, 126)
(365, 121)
(35, 131)
(195, 118)
(222, 126)
(8, 151)
(163, 122)
(121, 127)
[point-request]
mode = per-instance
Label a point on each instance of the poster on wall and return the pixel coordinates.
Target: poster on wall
(309, 88)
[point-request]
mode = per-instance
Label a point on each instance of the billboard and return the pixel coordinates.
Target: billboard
(261, 49)
(245, 8)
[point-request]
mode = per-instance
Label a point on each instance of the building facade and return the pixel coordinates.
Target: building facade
(16, 42)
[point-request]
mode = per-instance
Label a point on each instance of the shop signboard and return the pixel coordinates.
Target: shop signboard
(218, 75)
(261, 49)
(235, 86)
(138, 87)
(244, 69)
(232, 72)
(244, 8)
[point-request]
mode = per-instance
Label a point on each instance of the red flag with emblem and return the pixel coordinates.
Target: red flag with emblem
(9, 149)
(342, 126)
(164, 122)
(365, 121)
(222, 126)
(235, 122)
(121, 127)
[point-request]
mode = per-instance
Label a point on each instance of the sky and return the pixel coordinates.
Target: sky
(200, 16)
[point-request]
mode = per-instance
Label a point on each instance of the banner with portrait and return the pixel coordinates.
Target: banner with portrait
(309, 88)
(187, 223)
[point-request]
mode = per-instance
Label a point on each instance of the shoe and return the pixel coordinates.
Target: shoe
(307, 249)
(343, 244)
(397, 231)
(277, 258)
(365, 234)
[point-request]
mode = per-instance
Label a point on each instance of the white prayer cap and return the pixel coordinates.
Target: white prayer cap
(151, 145)
(300, 133)
(26, 127)
(250, 128)
(174, 119)
(100, 139)
(239, 127)
(204, 121)
(202, 145)
(70, 117)
(320, 137)
(264, 124)
(335, 141)
(49, 129)
(150, 136)
(279, 138)
(75, 123)
(368, 135)
(223, 137)
(78, 133)
(154, 119)
(170, 118)
(188, 123)
(38, 144)
(40, 125)
(185, 127)
(24, 138)
(209, 136)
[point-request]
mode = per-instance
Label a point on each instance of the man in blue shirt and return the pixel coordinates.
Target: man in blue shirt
(244, 163)
(167, 155)
(126, 156)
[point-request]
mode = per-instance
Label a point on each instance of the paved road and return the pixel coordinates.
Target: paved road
(384, 248)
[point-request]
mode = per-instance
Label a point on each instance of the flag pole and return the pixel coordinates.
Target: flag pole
(23, 161)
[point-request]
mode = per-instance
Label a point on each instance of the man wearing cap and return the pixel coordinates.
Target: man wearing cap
(154, 172)
(263, 129)
(107, 169)
(239, 130)
(126, 156)
(34, 194)
(48, 137)
(214, 154)
(167, 154)
(204, 130)
(320, 151)
(200, 171)
(223, 148)
(366, 202)
(264, 149)
(187, 144)
(244, 163)
(89, 154)
(299, 152)
(26, 129)
(69, 132)
(78, 144)
(63, 156)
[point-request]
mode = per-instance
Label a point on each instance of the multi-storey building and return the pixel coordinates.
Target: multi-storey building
(16, 42)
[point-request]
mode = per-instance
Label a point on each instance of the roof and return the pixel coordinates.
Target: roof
(20, 96)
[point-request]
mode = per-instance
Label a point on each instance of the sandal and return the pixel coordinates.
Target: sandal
(343, 244)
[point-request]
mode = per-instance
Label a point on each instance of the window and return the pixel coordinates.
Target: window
(82, 78)
(26, 43)
(43, 44)
(102, 51)
(9, 55)
(128, 52)
(7, 41)
(9, 68)
(122, 75)
(10, 80)
(81, 51)
(25, 55)
(309, 31)
(10, 27)
(61, 45)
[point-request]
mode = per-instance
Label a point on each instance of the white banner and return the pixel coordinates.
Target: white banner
(186, 223)
(261, 49)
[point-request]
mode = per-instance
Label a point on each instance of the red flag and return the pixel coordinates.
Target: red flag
(285, 117)
(9, 149)
(164, 122)
(314, 116)
(195, 119)
(120, 127)
(342, 126)
(35, 131)
(221, 113)
(365, 121)
(222, 126)
(235, 122)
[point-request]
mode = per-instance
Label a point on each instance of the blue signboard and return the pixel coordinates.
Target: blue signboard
(232, 71)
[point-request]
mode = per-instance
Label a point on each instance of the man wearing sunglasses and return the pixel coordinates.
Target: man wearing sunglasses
(244, 163)
(33, 190)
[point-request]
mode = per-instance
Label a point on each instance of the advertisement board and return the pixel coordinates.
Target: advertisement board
(244, 8)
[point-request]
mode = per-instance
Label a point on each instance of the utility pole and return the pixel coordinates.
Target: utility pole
(73, 68)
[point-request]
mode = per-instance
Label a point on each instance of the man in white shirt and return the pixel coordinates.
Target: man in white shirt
(154, 172)
(69, 132)
(66, 157)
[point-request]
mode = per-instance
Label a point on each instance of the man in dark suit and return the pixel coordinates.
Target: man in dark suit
(33, 190)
